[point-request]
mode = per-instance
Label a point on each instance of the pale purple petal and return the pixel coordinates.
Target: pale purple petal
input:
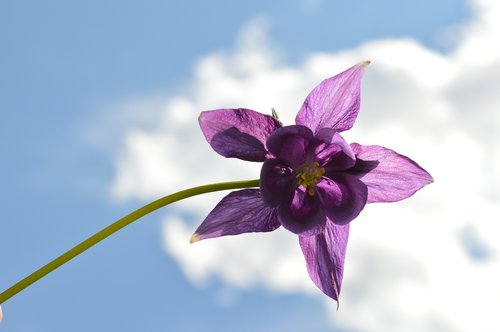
(389, 176)
(238, 133)
(277, 182)
(325, 255)
(290, 143)
(302, 214)
(334, 103)
(239, 212)
(334, 153)
(342, 197)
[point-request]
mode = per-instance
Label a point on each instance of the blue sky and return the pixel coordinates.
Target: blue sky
(65, 69)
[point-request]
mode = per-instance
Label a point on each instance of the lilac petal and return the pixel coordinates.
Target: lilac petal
(277, 182)
(302, 214)
(334, 103)
(342, 197)
(238, 133)
(290, 143)
(389, 176)
(239, 212)
(334, 153)
(325, 255)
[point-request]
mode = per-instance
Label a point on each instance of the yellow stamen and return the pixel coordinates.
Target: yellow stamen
(308, 175)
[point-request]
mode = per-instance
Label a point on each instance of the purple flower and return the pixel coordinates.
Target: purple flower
(312, 181)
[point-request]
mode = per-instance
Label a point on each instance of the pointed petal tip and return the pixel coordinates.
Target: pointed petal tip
(200, 117)
(335, 102)
(194, 238)
(430, 178)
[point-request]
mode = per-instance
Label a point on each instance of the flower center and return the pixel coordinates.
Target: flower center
(309, 174)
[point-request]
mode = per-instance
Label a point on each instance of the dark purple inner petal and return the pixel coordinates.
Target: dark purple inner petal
(277, 182)
(302, 214)
(290, 143)
(333, 159)
(333, 153)
(342, 197)
(326, 135)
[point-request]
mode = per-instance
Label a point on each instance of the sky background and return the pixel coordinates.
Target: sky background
(98, 116)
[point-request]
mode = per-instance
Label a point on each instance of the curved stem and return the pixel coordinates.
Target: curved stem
(116, 226)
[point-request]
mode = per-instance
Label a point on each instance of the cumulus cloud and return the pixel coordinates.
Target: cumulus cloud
(430, 263)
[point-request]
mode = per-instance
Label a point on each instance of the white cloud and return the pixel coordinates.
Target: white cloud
(410, 265)
(242, 261)
(479, 46)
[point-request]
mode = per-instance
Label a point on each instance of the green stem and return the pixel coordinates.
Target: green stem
(116, 226)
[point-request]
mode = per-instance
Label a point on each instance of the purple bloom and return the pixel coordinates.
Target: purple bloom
(312, 181)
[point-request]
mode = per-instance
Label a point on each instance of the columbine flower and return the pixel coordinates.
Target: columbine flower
(312, 181)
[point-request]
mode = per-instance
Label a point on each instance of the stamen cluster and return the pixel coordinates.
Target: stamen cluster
(308, 174)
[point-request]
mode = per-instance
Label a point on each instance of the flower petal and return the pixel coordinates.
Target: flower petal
(290, 143)
(325, 255)
(277, 182)
(390, 177)
(343, 197)
(302, 214)
(238, 133)
(239, 212)
(334, 103)
(333, 153)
